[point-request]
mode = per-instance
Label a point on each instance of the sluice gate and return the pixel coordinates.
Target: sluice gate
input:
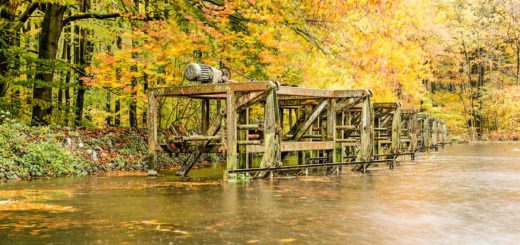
(262, 127)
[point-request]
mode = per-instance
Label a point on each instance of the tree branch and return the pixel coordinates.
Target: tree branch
(25, 16)
(90, 16)
(107, 16)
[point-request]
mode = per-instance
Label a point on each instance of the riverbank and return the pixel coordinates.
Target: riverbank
(30, 152)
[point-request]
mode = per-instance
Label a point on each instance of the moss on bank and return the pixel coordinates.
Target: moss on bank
(28, 152)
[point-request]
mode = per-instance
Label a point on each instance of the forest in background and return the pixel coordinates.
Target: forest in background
(89, 63)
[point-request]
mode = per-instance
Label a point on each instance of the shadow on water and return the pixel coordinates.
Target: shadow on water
(462, 194)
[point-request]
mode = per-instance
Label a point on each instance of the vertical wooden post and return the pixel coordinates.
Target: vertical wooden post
(396, 131)
(434, 132)
(426, 133)
(242, 135)
(231, 131)
(331, 130)
(366, 132)
(270, 142)
(412, 126)
(290, 117)
(204, 104)
(342, 136)
(152, 133)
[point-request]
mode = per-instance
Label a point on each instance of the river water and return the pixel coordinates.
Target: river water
(463, 194)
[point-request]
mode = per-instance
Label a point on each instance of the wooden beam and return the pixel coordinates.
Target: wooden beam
(271, 145)
(152, 133)
(214, 88)
(310, 120)
(305, 92)
(331, 128)
(250, 98)
(231, 131)
(205, 109)
(352, 93)
(396, 131)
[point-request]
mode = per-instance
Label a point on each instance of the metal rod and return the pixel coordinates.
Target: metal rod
(317, 165)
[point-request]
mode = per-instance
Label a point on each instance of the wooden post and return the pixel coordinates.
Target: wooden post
(331, 130)
(412, 126)
(270, 153)
(396, 131)
(426, 133)
(231, 131)
(290, 117)
(366, 131)
(204, 104)
(434, 132)
(152, 133)
(242, 135)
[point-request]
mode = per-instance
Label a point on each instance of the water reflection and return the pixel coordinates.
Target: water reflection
(462, 194)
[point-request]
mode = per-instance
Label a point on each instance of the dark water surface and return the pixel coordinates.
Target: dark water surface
(464, 194)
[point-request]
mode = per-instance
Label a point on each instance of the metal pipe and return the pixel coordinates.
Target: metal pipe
(295, 167)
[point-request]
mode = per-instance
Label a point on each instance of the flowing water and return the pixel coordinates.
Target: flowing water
(464, 194)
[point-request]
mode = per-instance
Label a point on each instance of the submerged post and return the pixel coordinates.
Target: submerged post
(396, 131)
(152, 133)
(365, 150)
(231, 131)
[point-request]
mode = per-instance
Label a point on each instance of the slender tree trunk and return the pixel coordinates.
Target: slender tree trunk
(145, 89)
(517, 63)
(480, 117)
(108, 120)
(133, 84)
(132, 116)
(68, 75)
(83, 62)
(117, 103)
(117, 110)
(7, 13)
(48, 46)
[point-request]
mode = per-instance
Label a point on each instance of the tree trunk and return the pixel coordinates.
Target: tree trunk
(133, 94)
(132, 116)
(7, 12)
(517, 63)
(48, 46)
(68, 50)
(479, 116)
(117, 103)
(83, 62)
(108, 119)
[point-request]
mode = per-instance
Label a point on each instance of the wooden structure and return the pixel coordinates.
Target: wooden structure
(264, 127)
(387, 130)
(263, 124)
(424, 132)
(409, 132)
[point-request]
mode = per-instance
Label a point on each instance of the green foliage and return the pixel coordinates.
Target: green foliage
(23, 155)
(239, 178)
(50, 159)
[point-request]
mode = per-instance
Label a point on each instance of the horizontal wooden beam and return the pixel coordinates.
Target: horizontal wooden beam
(360, 93)
(386, 105)
(305, 92)
(213, 88)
